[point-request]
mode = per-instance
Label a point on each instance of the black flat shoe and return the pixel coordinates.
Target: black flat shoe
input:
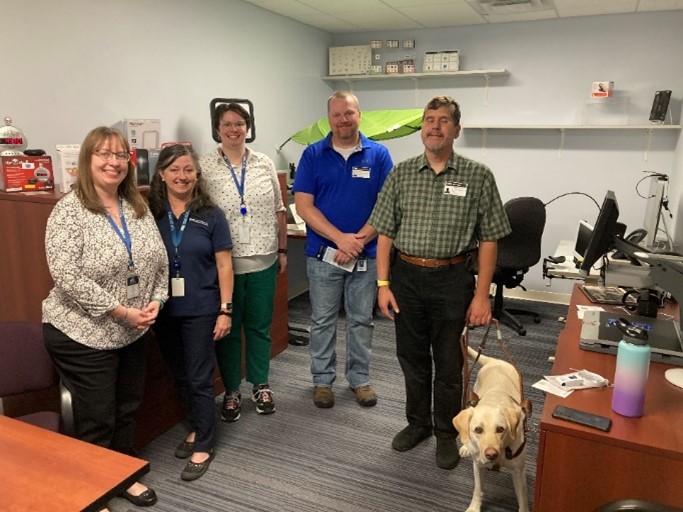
(184, 449)
(144, 499)
(194, 470)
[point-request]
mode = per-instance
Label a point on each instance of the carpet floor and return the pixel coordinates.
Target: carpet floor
(305, 459)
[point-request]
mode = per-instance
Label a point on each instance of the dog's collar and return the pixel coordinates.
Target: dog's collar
(508, 452)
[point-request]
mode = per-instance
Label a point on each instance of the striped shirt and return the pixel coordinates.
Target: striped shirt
(431, 215)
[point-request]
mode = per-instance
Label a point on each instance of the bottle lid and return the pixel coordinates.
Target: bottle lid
(632, 333)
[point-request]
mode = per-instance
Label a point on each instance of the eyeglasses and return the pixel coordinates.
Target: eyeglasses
(227, 124)
(106, 155)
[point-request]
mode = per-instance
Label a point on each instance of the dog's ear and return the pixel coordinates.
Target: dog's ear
(513, 416)
(462, 424)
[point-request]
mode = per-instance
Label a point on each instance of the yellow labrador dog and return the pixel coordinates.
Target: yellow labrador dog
(492, 432)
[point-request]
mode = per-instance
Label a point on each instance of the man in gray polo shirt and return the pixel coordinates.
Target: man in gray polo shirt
(437, 210)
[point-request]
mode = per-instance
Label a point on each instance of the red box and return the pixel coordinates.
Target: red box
(26, 173)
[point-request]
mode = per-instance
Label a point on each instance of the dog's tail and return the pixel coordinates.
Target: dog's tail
(483, 360)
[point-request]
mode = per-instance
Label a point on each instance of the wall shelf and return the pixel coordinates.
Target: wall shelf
(647, 128)
(416, 77)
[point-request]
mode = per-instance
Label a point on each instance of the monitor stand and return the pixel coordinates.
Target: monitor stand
(675, 376)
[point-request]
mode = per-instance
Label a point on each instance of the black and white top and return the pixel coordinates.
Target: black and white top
(89, 265)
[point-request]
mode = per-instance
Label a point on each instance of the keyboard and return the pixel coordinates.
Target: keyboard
(611, 295)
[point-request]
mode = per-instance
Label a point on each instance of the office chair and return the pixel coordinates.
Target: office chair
(635, 506)
(517, 252)
(29, 384)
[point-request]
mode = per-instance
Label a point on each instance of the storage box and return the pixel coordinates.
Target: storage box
(602, 90)
(26, 173)
(142, 133)
(445, 60)
(67, 165)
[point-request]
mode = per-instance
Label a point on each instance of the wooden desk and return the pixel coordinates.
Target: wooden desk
(580, 469)
(41, 471)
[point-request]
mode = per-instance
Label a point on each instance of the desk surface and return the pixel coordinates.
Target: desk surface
(659, 430)
(41, 470)
(639, 458)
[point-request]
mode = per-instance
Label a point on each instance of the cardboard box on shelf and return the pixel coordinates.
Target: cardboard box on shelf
(22, 173)
(68, 165)
(142, 133)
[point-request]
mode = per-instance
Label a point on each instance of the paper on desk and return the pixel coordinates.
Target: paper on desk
(580, 310)
(546, 386)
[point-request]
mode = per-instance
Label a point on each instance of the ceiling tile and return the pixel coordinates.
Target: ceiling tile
(659, 5)
(380, 19)
(525, 16)
(567, 8)
(454, 14)
(333, 6)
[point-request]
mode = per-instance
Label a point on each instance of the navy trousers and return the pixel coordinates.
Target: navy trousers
(188, 347)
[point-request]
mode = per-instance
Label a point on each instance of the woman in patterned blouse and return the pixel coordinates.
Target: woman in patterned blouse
(110, 275)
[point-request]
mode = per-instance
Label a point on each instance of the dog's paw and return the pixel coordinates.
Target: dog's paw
(465, 451)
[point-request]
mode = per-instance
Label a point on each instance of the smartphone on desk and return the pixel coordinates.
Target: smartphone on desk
(584, 418)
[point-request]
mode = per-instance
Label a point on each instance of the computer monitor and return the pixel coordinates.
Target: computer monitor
(606, 227)
(583, 237)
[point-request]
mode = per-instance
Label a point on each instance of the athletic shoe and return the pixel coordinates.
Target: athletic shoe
(262, 396)
(232, 406)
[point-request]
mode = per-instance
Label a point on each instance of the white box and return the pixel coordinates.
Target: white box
(350, 60)
(68, 165)
(142, 133)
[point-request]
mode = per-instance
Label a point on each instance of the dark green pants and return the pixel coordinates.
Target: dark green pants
(253, 304)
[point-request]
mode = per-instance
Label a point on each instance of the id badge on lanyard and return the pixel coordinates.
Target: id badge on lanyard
(177, 282)
(243, 230)
(132, 284)
(132, 277)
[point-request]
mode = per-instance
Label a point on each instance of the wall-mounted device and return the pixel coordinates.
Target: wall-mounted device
(660, 105)
(246, 104)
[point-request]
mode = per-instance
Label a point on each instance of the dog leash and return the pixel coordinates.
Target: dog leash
(471, 398)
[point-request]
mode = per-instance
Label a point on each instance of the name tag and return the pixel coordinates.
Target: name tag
(177, 287)
(132, 286)
(360, 172)
(453, 188)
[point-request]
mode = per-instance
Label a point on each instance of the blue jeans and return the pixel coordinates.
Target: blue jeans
(327, 284)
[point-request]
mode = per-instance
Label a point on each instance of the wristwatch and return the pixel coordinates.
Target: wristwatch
(282, 251)
(226, 309)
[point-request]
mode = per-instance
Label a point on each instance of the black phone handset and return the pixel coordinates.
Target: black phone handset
(635, 237)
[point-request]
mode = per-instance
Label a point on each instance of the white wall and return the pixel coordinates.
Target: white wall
(552, 65)
(73, 65)
(77, 64)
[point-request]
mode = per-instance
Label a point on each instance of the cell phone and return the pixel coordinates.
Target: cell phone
(582, 418)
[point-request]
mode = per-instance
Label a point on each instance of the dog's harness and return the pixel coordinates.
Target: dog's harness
(471, 398)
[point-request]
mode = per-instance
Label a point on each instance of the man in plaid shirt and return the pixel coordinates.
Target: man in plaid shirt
(436, 212)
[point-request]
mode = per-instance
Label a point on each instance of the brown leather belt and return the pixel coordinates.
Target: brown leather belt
(434, 262)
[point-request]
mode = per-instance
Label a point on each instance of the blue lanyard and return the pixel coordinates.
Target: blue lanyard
(177, 236)
(238, 184)
(125, 236)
